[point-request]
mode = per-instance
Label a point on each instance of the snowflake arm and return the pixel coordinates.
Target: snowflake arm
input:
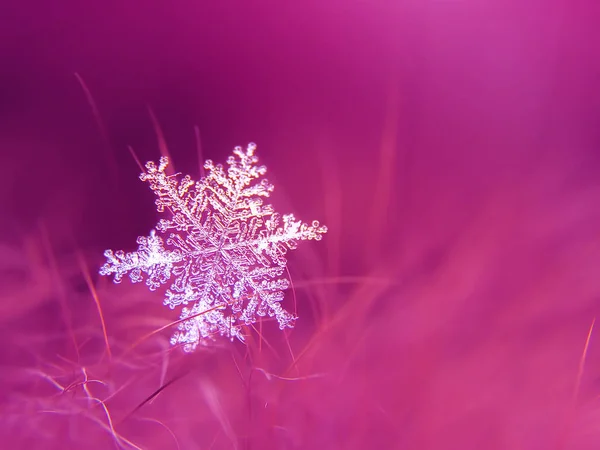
(225, 250)
(151, 259)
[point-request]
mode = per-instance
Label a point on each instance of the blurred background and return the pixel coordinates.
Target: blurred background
(451, 147)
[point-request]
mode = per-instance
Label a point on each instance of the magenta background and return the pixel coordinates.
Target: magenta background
(488, 238)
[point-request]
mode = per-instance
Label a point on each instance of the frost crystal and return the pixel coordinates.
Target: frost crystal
(224, 256)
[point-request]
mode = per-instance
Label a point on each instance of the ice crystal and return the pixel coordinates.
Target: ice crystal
(224, 256)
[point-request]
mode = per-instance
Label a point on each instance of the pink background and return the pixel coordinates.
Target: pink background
(450, 146)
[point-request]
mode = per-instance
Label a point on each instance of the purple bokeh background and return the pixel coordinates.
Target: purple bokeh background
(454, 138)
(481, 88)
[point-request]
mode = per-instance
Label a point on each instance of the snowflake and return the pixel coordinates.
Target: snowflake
(225, 254)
